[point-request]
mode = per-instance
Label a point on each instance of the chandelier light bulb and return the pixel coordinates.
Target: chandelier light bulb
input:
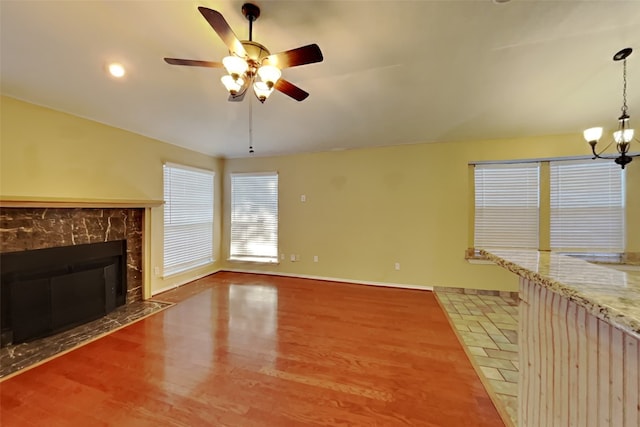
(593, 134)
(623, 136)
(235, 66)
(269, 74)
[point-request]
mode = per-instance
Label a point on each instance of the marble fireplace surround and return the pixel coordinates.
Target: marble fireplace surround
(27, 224)
(39, 228)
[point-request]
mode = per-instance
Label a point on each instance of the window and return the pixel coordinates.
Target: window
(254, 217)
(506, 205)
(188, 218)
(562, 205)
(587, 206)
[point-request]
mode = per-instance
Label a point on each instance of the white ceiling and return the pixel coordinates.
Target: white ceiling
(394, 72)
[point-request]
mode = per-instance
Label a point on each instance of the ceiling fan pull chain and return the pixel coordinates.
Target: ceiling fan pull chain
(250, 125)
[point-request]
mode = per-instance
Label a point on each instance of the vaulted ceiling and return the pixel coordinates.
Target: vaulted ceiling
(395, 72)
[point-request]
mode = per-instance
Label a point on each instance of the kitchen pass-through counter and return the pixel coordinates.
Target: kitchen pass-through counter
(579, 340)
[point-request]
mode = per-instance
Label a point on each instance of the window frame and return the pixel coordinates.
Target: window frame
(273, 226)
(545, 211)
(522, 209)
(599, 233)
(206, 254)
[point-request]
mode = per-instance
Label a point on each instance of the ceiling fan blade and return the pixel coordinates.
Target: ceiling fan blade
(291, 90)
(294, 57)
(220, 26)
(193, 62)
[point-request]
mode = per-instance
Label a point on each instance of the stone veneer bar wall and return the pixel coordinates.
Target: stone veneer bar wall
(39, 228)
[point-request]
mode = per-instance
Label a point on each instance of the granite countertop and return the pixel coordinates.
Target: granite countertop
(609, 294)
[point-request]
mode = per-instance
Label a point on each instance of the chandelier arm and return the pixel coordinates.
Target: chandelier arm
(611, 156)
(599, 155)
(606, 157)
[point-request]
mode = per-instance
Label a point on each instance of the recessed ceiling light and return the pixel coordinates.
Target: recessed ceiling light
(116, 70)
(501, 1)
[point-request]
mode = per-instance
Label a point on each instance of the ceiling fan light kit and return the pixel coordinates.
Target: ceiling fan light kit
(232, 85)
(269, 74)
(624, 135)
(235, 66)
(262, 90)
(250, 64)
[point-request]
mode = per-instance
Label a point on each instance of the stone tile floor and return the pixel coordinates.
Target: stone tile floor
(487, 325)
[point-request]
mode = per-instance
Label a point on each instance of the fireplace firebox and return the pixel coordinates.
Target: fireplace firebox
(46, 291)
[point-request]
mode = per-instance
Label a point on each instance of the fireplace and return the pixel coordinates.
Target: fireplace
(113, 272)
(46, 291)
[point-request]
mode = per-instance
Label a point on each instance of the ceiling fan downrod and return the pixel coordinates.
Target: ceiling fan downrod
(251, 12)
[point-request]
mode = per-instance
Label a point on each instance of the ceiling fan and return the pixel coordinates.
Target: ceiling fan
(249, 63)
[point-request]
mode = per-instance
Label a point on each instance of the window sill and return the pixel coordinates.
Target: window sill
(473, 256)
(257, 260)
(621, 261)
(597, 258)
(186, 269)
(617, 261)
(620, 267)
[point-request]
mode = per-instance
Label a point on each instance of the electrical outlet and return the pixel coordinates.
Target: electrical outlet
(397, 266)
(315, 258)
(303, 198)
(292, 258)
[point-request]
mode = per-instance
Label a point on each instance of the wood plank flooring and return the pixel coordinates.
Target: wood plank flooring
(256, 350)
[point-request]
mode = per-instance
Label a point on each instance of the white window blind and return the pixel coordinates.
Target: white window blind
(587, 206)
(254, 217)
(507, 205)
(188, 218)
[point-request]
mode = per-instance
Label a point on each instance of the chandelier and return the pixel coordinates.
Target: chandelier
(624, 135)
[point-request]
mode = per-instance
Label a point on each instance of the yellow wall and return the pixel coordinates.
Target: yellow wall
(633, 206)
(368, 209)
(49, 154)
(365, 210)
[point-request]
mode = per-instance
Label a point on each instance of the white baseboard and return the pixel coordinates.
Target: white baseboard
(332, 279)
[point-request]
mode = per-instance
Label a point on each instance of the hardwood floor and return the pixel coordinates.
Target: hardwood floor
(254, 350)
